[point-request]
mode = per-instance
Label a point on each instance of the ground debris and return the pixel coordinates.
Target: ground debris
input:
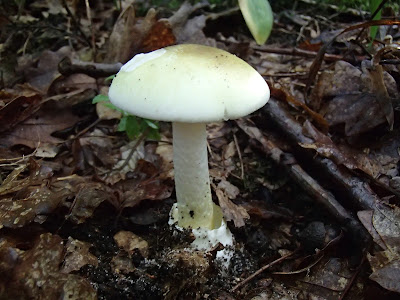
(37, 274)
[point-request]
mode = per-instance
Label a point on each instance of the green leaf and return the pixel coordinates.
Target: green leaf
(373, 5)
(259, 18)
(122, 123)
(100, 98)
(151, 124)
(112, 106)
(154, 134)
(110, 78)
(132, 127)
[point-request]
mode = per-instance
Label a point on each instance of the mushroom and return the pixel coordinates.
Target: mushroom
(190, 85)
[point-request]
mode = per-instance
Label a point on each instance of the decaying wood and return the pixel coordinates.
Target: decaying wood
(96, 70)
(309, 54)
(354, 190)
(308, 183)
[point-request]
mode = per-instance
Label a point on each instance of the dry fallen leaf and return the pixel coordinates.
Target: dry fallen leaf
(36, 274)
(130, 242)
(230, 210)
(77, 255)
(128, 33)
(17, 105)
(385, 231)
(36, 132)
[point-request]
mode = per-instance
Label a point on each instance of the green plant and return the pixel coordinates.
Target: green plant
(373, 5)
(133, 126)
(259, 18)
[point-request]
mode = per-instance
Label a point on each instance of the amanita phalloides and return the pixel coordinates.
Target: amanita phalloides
(191, 85)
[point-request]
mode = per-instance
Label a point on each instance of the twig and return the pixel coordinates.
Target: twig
(319, 256)
(138, 141)
(305, 53)
(96, 70)
(307, 268)
(75, 22)
(358, 191)
(240, 156)
(83, 131)
(351, 281)
(308, 183)
(259, 271)
(88, 14)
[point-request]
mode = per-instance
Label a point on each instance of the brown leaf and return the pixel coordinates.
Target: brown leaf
(36, 132)
(388, 276)
(130, 242)
(386, 264)
(89, 195)
(128, 33)
(42, 74)
(122, 264)
(365, 218)
(150, 189)
(36, 202)
(285, 96)
(37, 275)
(159, 36)
(17, 105)
(382, 97)
(73, 82)
(77, 255)
(230, 210)
(316, 65)
(335, 82)
(360, 113)
(341, 155)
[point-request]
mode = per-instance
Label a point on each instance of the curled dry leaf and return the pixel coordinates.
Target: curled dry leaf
(89, 195)
(28, 199)
(77, 255)
(36, 132)
(122, 264)
(150, 189)
(130, 242)
(383, 224)
(42, 73)
(36, 274)
(230, 210)
(128, 33)
(340, 154)
(360, 113)
(18, 105)
(130, 154)
(361, 105)
(329, 276)
(30, 203)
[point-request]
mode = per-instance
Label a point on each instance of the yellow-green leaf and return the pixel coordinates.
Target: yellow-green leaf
(259, 18)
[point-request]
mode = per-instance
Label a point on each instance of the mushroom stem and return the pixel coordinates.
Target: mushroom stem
(194, 208)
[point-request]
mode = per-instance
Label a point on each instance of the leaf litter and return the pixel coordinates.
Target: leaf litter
(83, 216)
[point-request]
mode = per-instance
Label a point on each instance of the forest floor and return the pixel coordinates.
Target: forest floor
(309, 184)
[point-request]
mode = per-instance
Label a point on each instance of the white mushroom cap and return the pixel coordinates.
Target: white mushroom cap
(188, 83)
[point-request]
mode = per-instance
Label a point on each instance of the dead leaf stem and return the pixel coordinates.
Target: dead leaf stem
(259, 271)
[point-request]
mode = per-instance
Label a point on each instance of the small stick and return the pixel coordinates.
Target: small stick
(351, 281)
(76, 24)
(89, 16)
(67, 67)
(259, 271)
(240, 157)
